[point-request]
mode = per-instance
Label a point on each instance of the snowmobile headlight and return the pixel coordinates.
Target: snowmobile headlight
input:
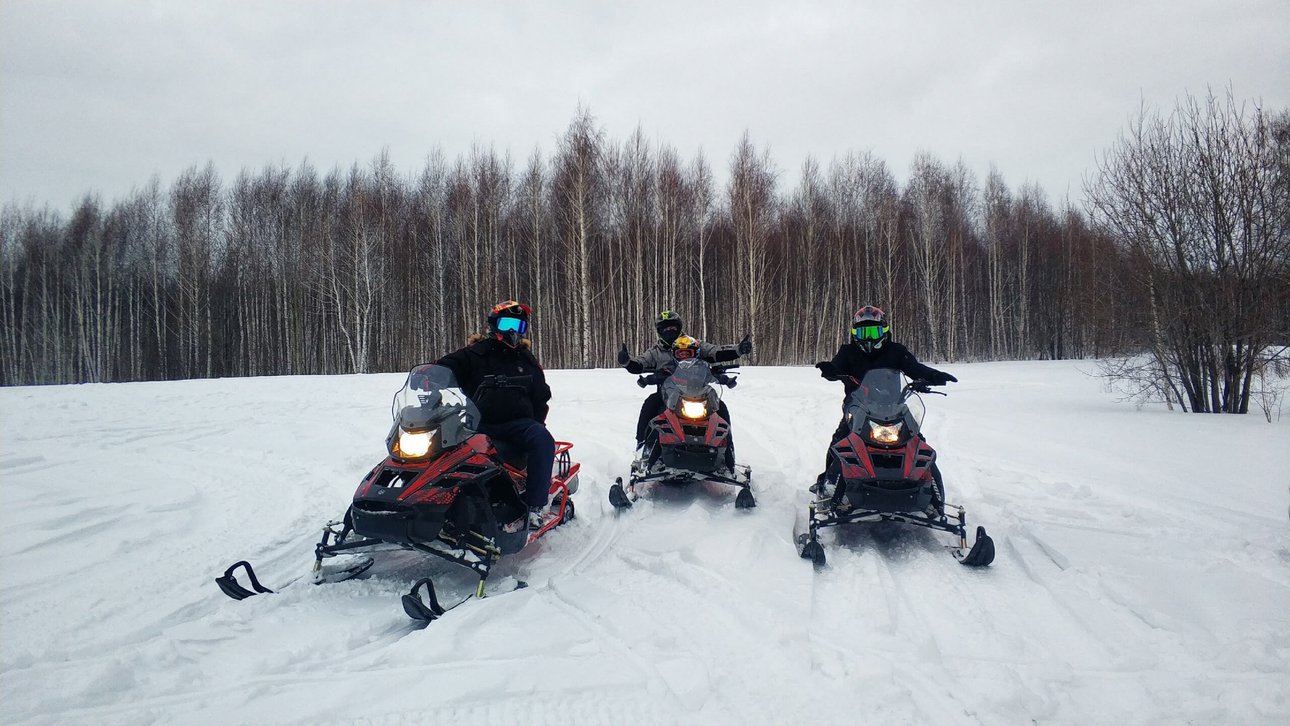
(414, 445)
(885, 433)
(694, 409)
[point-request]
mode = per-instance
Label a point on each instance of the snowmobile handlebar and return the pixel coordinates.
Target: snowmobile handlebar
(922, 386)
(501, 381)
(657, 377)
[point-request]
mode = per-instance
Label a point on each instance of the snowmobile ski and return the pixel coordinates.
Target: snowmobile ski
(426, 607)
(982, 552)
(320, 576)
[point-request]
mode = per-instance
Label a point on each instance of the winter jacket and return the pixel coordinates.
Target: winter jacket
(660, 355)
(489, 357)
(852, 361)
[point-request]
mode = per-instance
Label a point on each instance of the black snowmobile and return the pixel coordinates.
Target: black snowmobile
(444, 490)
(690, 440)
(883, 470)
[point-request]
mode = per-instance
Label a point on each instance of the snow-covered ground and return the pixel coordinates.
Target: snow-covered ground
(1141, 574)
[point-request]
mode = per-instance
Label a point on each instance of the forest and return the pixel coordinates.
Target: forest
(1179, 255)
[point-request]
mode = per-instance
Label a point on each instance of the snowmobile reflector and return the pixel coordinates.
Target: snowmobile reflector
(509, 325)
(868, 331)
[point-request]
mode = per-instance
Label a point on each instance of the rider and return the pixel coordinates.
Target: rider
(871, 347)
(669, 325)
(516, 411)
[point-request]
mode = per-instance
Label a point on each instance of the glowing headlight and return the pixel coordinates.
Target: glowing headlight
(693, 409)
(885, 433)
(414, 445)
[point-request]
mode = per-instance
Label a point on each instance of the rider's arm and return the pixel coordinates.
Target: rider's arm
(910, 366)
(717, 353)
(461, 364)
(644, 362)
(541, 395)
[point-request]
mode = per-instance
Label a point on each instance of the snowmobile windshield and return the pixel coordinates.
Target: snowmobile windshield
(430, 399)
(691, 378)
(879, 398)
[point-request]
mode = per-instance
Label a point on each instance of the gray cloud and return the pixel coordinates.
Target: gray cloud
(102, 95)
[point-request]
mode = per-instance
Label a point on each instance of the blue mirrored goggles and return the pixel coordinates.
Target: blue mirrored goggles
(512, 325)
(868, 331)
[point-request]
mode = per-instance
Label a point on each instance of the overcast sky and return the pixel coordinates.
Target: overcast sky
(102, 95)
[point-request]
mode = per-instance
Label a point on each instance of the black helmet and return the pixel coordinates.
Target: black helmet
(869, 328)
(668, 324)
(509, 321)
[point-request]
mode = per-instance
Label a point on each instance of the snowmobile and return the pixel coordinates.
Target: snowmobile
(689, 441)
(884, 470)
(444, 490)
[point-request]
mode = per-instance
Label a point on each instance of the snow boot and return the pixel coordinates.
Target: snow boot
(537, 516)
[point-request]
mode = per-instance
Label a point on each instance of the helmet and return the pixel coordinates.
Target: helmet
(684, 348)
(668, 324)
(509, 321)
(869, 328)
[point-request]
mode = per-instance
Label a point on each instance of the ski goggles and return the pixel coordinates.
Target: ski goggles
(512, 325)
(868, 332)
(684, 353)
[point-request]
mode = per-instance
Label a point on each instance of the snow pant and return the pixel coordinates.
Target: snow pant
(652, 407)
(843, 429)
(531, 436)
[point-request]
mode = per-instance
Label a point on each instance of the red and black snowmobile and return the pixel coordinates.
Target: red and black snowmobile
(689, 441)
(445, 490)
(884, 470)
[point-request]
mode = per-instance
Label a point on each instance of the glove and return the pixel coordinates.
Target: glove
(641, 382)
(941, 378)
(633, 366)
(623, 356)
(745, 345)
(827, 369)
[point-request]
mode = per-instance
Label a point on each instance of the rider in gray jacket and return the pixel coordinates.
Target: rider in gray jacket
(669, 325)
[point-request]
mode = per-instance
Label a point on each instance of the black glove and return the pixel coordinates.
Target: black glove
(745, 345)
(827, 369)
(623, 356)
(634, 366)
(941, 378)
(641, 382)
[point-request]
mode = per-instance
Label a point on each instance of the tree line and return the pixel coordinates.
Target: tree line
(292, 271)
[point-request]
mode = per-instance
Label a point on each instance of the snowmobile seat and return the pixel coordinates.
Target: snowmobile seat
(510, 453)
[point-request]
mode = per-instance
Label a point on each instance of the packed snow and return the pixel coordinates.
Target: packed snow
(1141, 574)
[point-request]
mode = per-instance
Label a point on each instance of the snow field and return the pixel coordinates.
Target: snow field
(1141, 574)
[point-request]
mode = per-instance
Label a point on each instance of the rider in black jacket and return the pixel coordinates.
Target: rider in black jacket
(515, 412)
(871, 347)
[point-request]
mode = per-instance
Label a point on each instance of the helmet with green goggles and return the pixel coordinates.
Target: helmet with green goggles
(868, 331)
(869, 328)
